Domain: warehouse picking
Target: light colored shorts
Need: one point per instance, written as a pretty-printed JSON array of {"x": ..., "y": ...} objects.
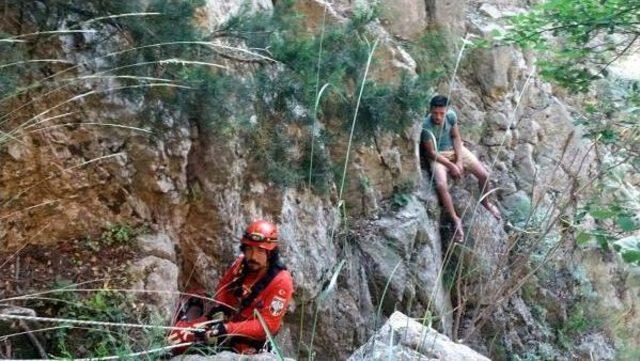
[{"x": 468, "y": 160}]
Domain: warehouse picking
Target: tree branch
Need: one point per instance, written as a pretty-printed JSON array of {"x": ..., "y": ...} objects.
[
  {"x": 620, "y": 54},
  {"x": 34, "y": 340}
]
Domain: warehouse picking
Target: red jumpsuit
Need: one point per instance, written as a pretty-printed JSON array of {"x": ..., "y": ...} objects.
[{"x": 271, "y": 303}]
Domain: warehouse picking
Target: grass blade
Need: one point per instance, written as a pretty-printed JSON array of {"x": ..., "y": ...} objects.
[
  {"x": 321, "y": 298},
  {"x": 269, "y": 336},
  {"x": 313, "y": 129},
  {"x": 51, "y": 32},
  {"x": 85, "y": 23},
  {"x": 92, "y": 123},
  {"x": 58, "y": 61},
  {"x": 355, "y": 116},
  {"x": 384, "y": 293},
  {"x": 332, "y": 283}
]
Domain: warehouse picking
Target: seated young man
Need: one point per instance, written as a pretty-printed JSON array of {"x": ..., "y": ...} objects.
[{"x": 441, "y": 141}]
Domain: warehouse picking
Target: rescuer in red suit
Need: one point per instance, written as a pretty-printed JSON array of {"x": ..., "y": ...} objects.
[{"x": 256, "y": 282}]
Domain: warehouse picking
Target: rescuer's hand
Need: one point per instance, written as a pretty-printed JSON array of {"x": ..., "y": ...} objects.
[{"x": 181, "y": 336}]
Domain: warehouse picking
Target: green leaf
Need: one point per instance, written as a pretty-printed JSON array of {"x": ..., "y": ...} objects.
[
  {"x": 577, "y": 24},
  {"x": 602, "y": 242},
  {"x": 629, "y": 249},
  {"x": 582, "y": 238},
  {"x": 496, "y": 33},
  {"x": 631, "y": 257},
  {"x": 332, "y": 283},
  {"x": 627, "y": 224},
  {"x": 601, "y": 213}
]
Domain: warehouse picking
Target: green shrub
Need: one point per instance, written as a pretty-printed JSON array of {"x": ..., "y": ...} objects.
[
  {"x": 400, "y": 200},
  {"x": 434, "y": 55},
  {"x": 72, "y": 341},
  {"x": 114, "y": 235},
  {"x": 120, "y": 233},
  {"x": 402, "y": 192},
  {"x": 580, "y": 320},
  {"x": 542, "y": 352},
  {"x": 290, "y": 94},
  {"x": 610, "y": 215},
  {"x": 224, "y": 102}
]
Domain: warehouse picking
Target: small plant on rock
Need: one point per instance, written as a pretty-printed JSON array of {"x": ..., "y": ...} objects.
[{"x": 119, "y": 234}]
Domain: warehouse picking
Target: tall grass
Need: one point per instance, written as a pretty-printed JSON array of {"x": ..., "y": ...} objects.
[
  {"x": 320, "y": 300},
  {"x": 383, "y": 295},
  {"x": 355, "y": 117},
  {"x": 318, "y": 92},
  {"x": 56, "y": 82},
  {"x": 270, "y": 338},
  {"x": 27, "y": 97}
]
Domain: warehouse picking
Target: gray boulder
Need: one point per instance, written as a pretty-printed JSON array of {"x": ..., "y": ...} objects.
[
  {"x": 159, "y": 278},
  {"x": 402, "y": 338},
  {"x": 158, "y": 245}
]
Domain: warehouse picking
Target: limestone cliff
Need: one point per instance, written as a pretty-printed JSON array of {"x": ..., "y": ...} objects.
[{"x": 189, "y": 189}]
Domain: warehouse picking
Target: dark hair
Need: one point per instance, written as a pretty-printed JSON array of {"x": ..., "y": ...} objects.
[
  {"x": 275, "y": 266},
  {"x": 439, "y": 101}
]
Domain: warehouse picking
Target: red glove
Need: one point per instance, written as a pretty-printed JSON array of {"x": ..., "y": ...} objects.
[{"x": 183, "y": 336}]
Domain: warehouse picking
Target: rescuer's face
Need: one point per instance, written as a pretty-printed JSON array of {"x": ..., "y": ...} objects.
[
  {"x": 256, "y": 258},
  {"x": 437, "y": 115}
]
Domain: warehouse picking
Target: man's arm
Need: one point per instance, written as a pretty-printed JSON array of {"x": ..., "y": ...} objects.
[
  {"x": 430, "y": 150},
  {"x": 457, "y": 146}
]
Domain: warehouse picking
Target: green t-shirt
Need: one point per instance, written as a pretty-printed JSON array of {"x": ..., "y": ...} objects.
[{"x": 442, "y": 134}]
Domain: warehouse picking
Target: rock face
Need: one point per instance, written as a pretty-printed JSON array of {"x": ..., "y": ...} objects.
[
  {"x": 156, "y": 274},
  {"x": 403, "y": 252},
  {"x": 216, "y": 13},
  {"x": 159, "y": 277},
  {"x": 158, "y": 245},
  {"x": 402, "y": 338},
  {"x": 198, "y": 188},
  {"x": 447, "y": 15},
  {"x": 404, "y": 18}
]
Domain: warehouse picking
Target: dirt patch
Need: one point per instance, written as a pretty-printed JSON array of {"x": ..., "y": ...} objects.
[
  {"x": 76, "y": 264},
  {"x": 37, "y": 268}
]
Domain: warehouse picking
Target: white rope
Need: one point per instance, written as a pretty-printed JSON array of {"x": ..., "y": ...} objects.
[
  {"x": 160, "y": 349},
  {"x": 96, "y": 323},
  {"x": 166, "y": 348}
]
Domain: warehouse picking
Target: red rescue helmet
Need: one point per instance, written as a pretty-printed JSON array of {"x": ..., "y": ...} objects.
[{"x": 261, "y": 234}]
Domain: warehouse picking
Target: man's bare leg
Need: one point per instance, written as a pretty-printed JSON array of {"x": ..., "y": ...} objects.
[
  {"x": 442, "y": 188},
  {"x": 478, "y": 170}
]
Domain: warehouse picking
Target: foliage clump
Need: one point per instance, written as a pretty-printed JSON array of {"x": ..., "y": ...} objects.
[
  {"x": 611, "y": 215},
  {"x": 590, "y": 36},
  {"x": 291, "y": 93},
  {"x": 72, "y": 341},
  {"x": 277, "y": 79}
]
